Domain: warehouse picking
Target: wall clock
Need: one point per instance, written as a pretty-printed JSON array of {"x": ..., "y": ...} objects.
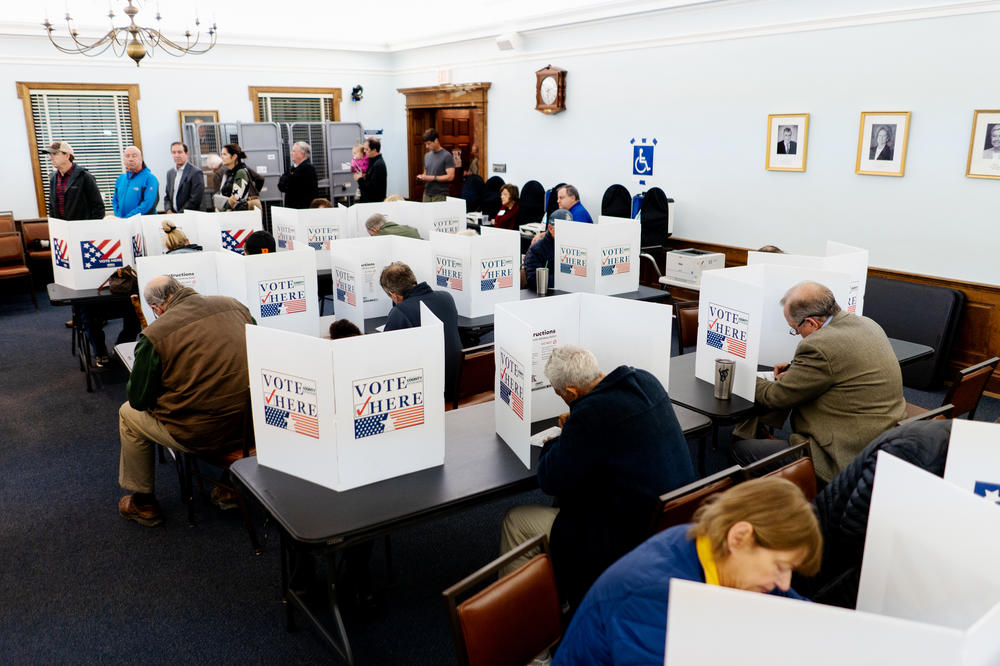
[{"x": 550, "y": 89}]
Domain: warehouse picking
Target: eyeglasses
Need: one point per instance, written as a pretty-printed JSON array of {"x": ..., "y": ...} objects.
[{"x": 795, "y": 329}]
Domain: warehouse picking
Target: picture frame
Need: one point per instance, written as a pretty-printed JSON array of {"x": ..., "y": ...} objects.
[
  {"x": 882, "y": 139},
  {"x": 787, "y": 141},
  {"x": 984, "y": 145},
  {"x": 195, "y": 117}
]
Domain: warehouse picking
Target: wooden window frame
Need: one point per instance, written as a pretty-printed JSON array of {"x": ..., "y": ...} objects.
[
  {"x": 256, "y": 91},
  {"x": 24, "y": 89}
]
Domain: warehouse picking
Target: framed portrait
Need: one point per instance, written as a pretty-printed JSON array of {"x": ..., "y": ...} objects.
[
  {"x": 787, "y": 138},
  {"x": 882, "y": 143},
  {"x": 196, "y": 117},
  {"x": 984, "y": 145}
]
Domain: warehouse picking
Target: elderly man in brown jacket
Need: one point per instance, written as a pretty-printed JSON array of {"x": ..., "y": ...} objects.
[
  {"x": 189, "y": 388},
  {"x": 843, "y": 387}
]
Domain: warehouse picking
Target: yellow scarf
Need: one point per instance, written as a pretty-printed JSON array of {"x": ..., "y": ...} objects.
[{"x": 704, "y": 547}]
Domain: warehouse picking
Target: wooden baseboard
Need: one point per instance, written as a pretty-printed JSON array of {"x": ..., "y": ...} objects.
[{"x": 978, "y": 335}]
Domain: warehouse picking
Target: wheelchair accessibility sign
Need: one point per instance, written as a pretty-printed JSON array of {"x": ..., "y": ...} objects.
[{"x": 642, "y": 158}]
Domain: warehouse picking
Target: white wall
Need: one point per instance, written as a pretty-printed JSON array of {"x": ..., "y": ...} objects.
[{"x": 701, "y": 80}]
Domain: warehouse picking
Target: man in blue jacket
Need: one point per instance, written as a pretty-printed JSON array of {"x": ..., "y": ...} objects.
[
  {"x": 569, "y": 199},
  {"x": 136, "y": 190},
  {"x": 621, "y": 447}
]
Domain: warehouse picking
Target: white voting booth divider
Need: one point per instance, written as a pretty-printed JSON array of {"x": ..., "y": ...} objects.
[
  {"x": 312, "y": 227},
  {"x": 974, "y": 458},
  {"x": 350, "y": 412},
  {"x": 618, "y": 331},
  {"x": 597, "y": 258},
  {"x": 478, "y": 271},
  {"x": 154, "y": 237},
  {"x": 929, "y": 592},
  {"x": 740, "y": 318},
  {"x": 839, "y": 258},
  {"x": 86, "y": 252},
  {"x": 443, "y": 216},
  {"x": 224, "y": 231},
  {"x": 357, "y": 265},
  {"x": 279, "y": 289}
]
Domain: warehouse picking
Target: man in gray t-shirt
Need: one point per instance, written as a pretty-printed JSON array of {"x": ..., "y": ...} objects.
[{"x": 439, "y": 168}]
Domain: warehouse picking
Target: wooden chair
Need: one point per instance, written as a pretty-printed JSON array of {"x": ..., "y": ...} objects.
[
  {"x": 36, "y": 230},
  {"x": 942, "y": 412},
  {"x": 13, "y": 265},
  {"x": 966, "y": 389},
  {"x": 6, "y": 224},
  {"x": 512, "y": 620},
  {"x": 794, "y": 464},
  {"x": 678, "y": 506},
  {"x": 476, "y": 371},
  {"x": 687, "y": 324}
]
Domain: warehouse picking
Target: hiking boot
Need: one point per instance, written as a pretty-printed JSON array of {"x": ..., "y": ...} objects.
[
  {"x": 102, "y": 361},
  {"x": 144, "y": 514}
]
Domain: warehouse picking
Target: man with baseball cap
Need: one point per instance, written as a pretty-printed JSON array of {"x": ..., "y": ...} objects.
[{"x": 73, "y": 193}]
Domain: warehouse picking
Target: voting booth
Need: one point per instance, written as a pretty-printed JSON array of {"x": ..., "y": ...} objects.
[
  {"x": 974, "y": 458},
  {"x": 223, "y": 231},
  {"x": 478, "y": 271},
  {"x": 86, "y": 252},
  {"x": 155, "y": 238},
  {"x": 928, "y": 595},
  {"x": 837, "y": 258},
  {"x": 618, "y": 331},
  {"x": 442, "y": 216},
  {"x": 597, "y": 258},
  {"x": 312, "y": 227},
  {"x": 279, "y": 289},
  {"x": 740, "y": 318},
  {"x": 357, "y": 265},
  {"x": 346, "y": 413}
]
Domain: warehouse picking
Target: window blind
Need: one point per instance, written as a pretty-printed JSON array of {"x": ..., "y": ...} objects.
[{"x": 295, "y": 107}]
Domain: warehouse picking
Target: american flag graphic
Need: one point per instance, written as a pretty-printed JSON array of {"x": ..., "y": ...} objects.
[
  {"x": 283, "y": 243},
  {"x": 61, "y": 252},
  {"x": 345, "y": 296},
  {"x": 105, "y": 253},
  {"x": 853, "y": 308},
  {"x": 621, "y": 267},
  {"x": 137, "y": 250},
  {"x": 449, "y": 282},
  {"x": 990, "y": 491},
  {"x": 233, "y": 239},
  {"x": 397, "y": 419},
  {"x": 731, "y": 345},
  {"x": 300, "y": 423},
  {"x": 284, "y": 307},
  {"x": 321, "y": 245},
  {"x": 497, "y": 283},
  {"x": 573, "y": 269},
  {"x": 512, "y": 399}
]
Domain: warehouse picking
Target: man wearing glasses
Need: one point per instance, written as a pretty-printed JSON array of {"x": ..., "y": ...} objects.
[{"x": 843, "y": 388}]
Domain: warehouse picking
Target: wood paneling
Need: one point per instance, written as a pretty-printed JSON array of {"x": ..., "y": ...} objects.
[{"x": 978, "y": 336}]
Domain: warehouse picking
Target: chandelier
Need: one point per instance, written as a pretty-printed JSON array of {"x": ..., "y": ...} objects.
[{"x": 133, "y": 40}]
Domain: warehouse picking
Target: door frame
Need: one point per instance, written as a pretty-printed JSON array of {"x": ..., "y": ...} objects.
[{"x": 453, "y": 95}]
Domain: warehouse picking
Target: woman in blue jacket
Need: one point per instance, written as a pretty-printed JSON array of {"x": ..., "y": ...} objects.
[{"x": 751, "y": 537}]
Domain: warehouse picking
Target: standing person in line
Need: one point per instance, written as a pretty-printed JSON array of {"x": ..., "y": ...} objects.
[
  {"x": 439, "y": 168},
  {"x": 236, "y": 185},
  {"x": 299, "y": 184},
  {"x": 373, "y": 181},
  {"x": 185, "y": 182},
  {"x": 136, "y": 190},
  {"x": 73, "y": 192}
]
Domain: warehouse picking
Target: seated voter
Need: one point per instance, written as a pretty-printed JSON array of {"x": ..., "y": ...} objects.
[
  {"x": 620, "y": 449},
  {"x": 542, "y": 251},
  {"x": 379, "y": 225},
  {"x": 400, "y": 284},
  {"x": 189, "y": 388},
  {"x": 751, "y": 537},
  {"x": 176, "y": 241},
  {"x": 843, "y": 386},
  {"x": 569, "y": 199},
  {"x": 259, "y": 242}
]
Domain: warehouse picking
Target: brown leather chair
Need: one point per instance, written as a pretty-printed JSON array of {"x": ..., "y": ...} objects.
[
  {"x": 687, "y": 324},
  {"x": 966, "y": 389},
  {"x": 794, "y": 463},
  {"x": 36, "y": 230},
  {"x": 13, "y": 265},
  {"x": 939, "y": 414},
  {"x": 6, "y": 224},
  {"x": 476, "y": 371},
  {"x": 678, "y": 506},
  {"x": 514, "y": 619}
]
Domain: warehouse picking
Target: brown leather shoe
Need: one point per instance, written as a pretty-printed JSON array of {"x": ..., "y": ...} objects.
[{"x": 146, "y": 514}]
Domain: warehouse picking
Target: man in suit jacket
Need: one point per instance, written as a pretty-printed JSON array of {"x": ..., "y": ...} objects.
[
  {"x": 299, "y": 184},
  {"x": 843, "y": 386},
  {"x": 185, "y": 184},
  {"x": 882, "y": 150},
  {"x": 786, "y": 146}
]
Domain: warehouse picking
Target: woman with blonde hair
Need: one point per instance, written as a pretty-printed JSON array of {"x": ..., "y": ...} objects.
[
  {"x": 750, "y": 537},
  {"x": 175, "y": 240}
]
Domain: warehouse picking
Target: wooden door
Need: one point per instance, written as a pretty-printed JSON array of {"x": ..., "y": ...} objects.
[
  {"x": 419, "y": 121},
  {"x": 456, "y": 128}
]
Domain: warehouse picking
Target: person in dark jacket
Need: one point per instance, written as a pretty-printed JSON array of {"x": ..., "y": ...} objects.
[
  {"x": 400, "y": 284},
  {"x": 373, "y": 182},
  {"x": 542, "y": 251},
  {"x": 842, "y": 506},
  {"x": 73, "y": 192},
  {"x": 507, "y": 215},
  {"x": 620, "y": 448},
  {"x": 299, "y": 183}
]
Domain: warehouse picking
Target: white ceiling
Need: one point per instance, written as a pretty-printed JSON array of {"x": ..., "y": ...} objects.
[{"x": 375, "y": 25}]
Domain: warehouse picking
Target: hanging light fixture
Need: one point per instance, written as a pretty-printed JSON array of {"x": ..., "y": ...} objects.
[{"x": 133, "y": 40}]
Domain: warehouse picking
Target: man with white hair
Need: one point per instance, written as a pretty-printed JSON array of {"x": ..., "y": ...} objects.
[
  {"x": 299, "y": 183},
  {"x": 378, "y": 224},
  {"x": 189, "y": 388},
  {"x": 136, "y": 190},
  {"x": 620, "y": 448}
]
